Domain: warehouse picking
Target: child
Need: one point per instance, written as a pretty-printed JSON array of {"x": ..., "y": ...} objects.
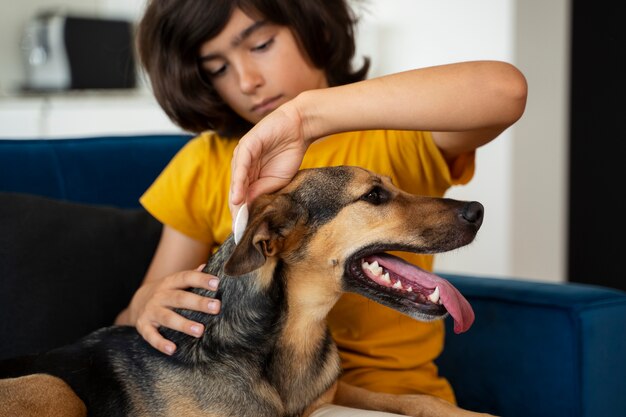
[{"x": 282, "y": 69}]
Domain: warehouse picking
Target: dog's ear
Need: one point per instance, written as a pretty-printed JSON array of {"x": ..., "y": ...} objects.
[{"x": 271, "y": 219}]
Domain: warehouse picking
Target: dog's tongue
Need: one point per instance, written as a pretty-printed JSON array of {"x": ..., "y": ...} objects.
[{"x": 458, "y": 307}]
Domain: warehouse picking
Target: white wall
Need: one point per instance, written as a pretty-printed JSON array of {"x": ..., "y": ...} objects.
[
  {"x": 540, "y": 151},
  {"x": 520, "y": 177}
]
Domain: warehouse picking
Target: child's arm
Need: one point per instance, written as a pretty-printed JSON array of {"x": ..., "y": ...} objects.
[
  {"x": 465, "y": 105},
  {"x": 170, "y": 273}
]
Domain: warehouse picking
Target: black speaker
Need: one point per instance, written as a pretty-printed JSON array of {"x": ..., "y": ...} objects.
[{"x": 64, "y": 52}]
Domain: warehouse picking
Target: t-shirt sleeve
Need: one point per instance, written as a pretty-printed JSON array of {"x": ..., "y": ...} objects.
[
  {"x": 459, "y": 172},
  {"x": 179, "y": 196},
  {"x": 424, "y": 161}
]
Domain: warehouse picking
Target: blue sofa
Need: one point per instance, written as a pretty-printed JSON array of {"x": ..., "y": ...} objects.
[{"x": 536, "y": 349}]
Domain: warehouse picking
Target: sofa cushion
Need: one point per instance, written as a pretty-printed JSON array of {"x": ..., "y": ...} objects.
[
  {"x": 66, "y": 268},
  {"x": 539, "y": 349}
]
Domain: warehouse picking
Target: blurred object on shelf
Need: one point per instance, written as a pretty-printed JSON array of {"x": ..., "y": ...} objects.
[{"x": 69, "y": 52}]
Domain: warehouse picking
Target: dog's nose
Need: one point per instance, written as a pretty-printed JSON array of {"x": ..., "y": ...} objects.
[{"x": 473, "y": 212}]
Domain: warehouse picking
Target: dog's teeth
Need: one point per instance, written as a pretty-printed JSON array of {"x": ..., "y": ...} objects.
[
  {"x": 409, "y": 289},
  {"x": 374, "y": 268},
  {"x": 386, "y": 278},
  {"x": 434, "y": 297},
  {"x": 397, "y": 285}
]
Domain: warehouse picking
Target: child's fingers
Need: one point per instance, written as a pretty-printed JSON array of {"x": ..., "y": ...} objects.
[
  {"x": 190, "y": 301},
  {"x": 194, "y": 279},
  {"x": 240, "y": 177},
  {"x": 267, "y": 185},
  {"x": 150, "y": 333},
  {"x": 239, "y": 174},
  {"x": 171, "y": 320}
]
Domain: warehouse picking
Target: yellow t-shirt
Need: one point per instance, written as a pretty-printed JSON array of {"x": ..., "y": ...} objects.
[{"x": 381, "y": 349}]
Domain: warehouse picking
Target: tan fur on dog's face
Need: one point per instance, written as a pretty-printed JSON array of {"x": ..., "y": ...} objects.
[
  {"x": 326, "y": 221},
  {"x": 379, "y": 212}
]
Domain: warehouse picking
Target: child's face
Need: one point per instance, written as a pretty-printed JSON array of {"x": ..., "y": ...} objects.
[{"x": 255, "y": 66}]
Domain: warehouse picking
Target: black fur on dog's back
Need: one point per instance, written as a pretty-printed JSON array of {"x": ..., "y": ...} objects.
[
  {"x": 116, "y": 373},
  {"x": 245, "y": 336},
  {"x": 85, "y": 366},
  {"x": 246, "y": 320}
]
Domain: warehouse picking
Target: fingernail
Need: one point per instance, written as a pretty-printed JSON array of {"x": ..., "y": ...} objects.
[
  {"x": 213, "y": 284},
  {"x": 214, "y": 306},
  {"x": 196, "y": 329},
  {"x": 170, "y": 349}
]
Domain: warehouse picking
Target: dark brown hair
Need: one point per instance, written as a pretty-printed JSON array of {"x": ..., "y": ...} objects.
[{"x": 171, "y": 33}]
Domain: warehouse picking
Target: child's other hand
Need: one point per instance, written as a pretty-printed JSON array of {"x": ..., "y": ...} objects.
[
  {"x": 152, "y": 306},
  {"x": 268, "y": 156}
]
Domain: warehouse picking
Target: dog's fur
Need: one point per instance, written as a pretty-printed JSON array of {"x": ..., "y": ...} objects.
[{"x": 268, "y": 352}]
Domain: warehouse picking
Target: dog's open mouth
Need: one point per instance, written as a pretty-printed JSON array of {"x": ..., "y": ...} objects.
[{"x": 432, "y": 295}]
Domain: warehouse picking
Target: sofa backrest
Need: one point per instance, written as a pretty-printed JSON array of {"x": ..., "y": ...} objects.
[
  {"x": 89, "y": 258},
  {"x": 539, "y": 349},
  {"x": 112, "y": 170}
]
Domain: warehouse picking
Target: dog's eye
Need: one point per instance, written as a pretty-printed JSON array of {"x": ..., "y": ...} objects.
[{"x": 376, "y": 196}]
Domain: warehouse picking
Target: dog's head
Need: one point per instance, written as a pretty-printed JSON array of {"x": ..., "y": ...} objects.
[{"x": 333, "y": 228}]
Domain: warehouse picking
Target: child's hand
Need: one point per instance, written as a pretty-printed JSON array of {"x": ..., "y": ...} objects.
[
  {"x": 268, "y": 156},
  {"x": 152, "y": 306}
]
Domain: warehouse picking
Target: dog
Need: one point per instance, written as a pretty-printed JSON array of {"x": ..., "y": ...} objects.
[{"x": 269, "y": 351}]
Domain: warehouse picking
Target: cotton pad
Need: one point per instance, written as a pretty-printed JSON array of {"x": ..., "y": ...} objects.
[{"x": 241, "y": 220}]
